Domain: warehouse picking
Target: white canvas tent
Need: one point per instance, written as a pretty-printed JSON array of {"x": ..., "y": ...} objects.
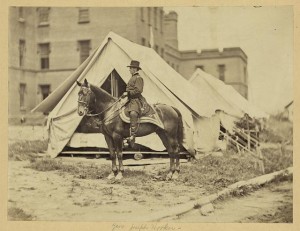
[
  {"x": 225, "y": 97},
  {"x": 162, "y": 85},
  {"x": 231, "y": 104}
]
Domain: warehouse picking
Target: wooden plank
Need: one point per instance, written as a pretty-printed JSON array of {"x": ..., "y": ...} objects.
[
  {"x": 149, "y": 161},
  {"x": 106, "y": 152}
]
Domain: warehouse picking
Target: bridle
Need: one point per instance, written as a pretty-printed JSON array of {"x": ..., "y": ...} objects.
[
  {"x": 86, "y": 104},
  {"x": 86, "y": 93}
]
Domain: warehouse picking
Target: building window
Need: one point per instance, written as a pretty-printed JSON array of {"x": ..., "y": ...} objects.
[
  {"x": 156, "y": 48},
  {"x": 143, "y": 42},
  {"x": 44, "y": 55},
  {"x": 22, "y": 92},
  {"x": 21, "y": 52},
  {"x": 142, "y": 14},
  {"x": 162, "y": 51},
  {"x": 84, "y": 48},
  {"x": 45, "y": 91},
  {"x": 43, "y": 16},
  {"x": 172, "y": 65},
  {"x": 84, "y": 16},
  {"x": 155, "y": 17},
  {"x": 161, "y": 20},
  {"x": 200, "y": 67},
  {"x": 149, "y": 16},
  {"x": 221, "y": 70},
  {"x": 245, "y": 75},
  {"x": 21, "y": 14}
]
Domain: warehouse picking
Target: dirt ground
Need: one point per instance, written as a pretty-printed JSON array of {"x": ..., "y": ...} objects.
[
  {"x": 58, "y": 196},
  {"x": 49, "y": 196},
  {"x": 271, "y": 204},
  {"x": 64, "y": 198}
]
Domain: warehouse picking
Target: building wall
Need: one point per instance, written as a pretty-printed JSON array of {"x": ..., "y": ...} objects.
[
  {"x": 170, "y": 24},
  {"x": 234, "y": 59},
  {"x": 21, "y": 29},
  {"x": 64, "y": 42},
  {"x": 18, "y": 77},
  {"x": 172, "y": 57},
  {"x": 154, "y": 25},
  {"x": 63, "y": 33}
]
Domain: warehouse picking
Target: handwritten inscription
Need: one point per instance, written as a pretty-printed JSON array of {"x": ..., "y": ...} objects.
[
  {"x": 116, "y": 227},
  {"x": 145, "y": 227}
]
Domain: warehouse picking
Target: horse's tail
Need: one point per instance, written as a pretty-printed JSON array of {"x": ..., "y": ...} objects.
[{"x": 180, "y": 128}]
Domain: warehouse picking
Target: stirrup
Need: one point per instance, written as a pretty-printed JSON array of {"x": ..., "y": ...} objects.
[
  {"x": 131, "y": 141},
  {"x": 125, "y": 143}
]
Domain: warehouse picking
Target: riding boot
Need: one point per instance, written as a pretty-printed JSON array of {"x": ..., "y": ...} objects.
[{"x": 133, "y": 127}]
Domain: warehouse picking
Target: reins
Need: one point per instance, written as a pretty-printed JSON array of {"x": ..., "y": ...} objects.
[
  {"x": 109, "y": 117},
  {"x": 96, "y": 114}
]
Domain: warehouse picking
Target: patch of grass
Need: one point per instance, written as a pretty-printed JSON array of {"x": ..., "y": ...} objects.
[
  {"x": 136, "y": 178},
  {"x": 283, "y": 214},
  {"x": 282, "y": 177},
  {"x": 277, "y": 159},
  {"x": 17, "y": 214},
  {"x": 79, "y": 170},
  {"x": 244, "y": 190},
  {"x": 28, "y": 120},
  {"x": 26, "y": 150},
  {"x": 46, "y": 164},
  {"x": 277, "y": 131},
  {"x": 215, "y": 173}
]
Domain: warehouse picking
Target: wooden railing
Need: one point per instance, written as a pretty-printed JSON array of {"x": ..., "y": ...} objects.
[{"x": 244, "y": 142}]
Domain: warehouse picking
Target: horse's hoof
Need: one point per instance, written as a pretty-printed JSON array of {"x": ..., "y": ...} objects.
[
  {"x": 169, "y": 176},
  {"x": 175, "y": 175},
  {"x": 111, "y": 176},
  {"x": 125, "y": 145},
  {"x": 119, "y": 176}
]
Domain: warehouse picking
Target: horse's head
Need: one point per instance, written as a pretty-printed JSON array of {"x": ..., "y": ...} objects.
[{"x": 85, "y": 98}]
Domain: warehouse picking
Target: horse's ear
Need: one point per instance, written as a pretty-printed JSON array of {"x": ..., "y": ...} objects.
[{"x": 79, "y": 84}]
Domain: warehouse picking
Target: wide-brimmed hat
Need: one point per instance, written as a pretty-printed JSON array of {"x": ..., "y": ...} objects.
[{"x": 135, "y": 64}]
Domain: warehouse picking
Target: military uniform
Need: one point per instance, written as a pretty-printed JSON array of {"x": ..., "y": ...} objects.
[
  {"x": 134, "y": 91},
  {"x": 135, "y": 88}
]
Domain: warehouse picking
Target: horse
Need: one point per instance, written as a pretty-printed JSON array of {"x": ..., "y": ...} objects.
[{"x": 94, "y": 101}]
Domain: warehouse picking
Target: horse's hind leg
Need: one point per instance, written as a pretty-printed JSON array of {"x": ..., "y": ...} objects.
[
  {"x": 177, "y": 164},
  {"x": 169, "y": 143}
]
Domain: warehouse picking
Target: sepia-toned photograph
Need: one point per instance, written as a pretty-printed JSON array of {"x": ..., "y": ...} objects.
[{"x": 154, "y": 115}]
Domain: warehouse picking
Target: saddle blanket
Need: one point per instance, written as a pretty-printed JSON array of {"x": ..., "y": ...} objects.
[{"x": 152, "y": 118}]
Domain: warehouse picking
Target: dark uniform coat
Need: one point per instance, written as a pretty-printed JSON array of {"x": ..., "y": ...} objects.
[{"x": 135, "y": 88}]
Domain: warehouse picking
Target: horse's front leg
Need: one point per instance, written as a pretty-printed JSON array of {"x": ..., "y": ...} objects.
[
  {"x": 113, "y": 157},
  {"x": 118, "y": 144}
]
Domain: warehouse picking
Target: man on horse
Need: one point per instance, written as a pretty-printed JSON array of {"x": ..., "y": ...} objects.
[{"x": 136, "y": 102}]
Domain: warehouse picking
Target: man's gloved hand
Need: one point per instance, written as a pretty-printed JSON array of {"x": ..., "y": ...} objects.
[{"x": 125, "y": 94}]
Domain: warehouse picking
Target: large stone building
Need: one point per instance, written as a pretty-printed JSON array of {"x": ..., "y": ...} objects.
[{"x": 46, "y": 44}]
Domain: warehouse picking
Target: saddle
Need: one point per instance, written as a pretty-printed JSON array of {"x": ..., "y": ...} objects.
[{"x": 149, "y": 115}]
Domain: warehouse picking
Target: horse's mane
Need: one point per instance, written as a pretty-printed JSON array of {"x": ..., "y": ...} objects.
[{"x": 102, "y": 92}]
